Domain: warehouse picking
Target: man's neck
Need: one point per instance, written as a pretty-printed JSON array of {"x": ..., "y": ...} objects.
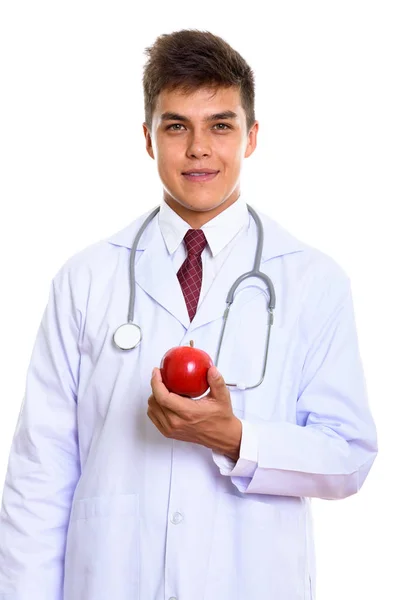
[{"x": 197, "y": 218}]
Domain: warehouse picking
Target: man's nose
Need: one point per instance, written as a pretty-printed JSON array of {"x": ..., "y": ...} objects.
[{"x": 199, "y": 146}]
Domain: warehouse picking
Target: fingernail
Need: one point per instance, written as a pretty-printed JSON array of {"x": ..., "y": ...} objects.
[{"x": 154, "y": 372}]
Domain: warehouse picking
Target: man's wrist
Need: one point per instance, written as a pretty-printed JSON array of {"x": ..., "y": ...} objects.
[{"x": 230, "y": 444}]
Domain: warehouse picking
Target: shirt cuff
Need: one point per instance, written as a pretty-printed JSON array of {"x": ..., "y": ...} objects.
[{"x": 248, "y": 454}]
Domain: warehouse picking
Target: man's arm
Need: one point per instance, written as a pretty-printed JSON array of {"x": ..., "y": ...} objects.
[
  {"x": 43, "y": 467},
  {"x": 330, "y": 450}
]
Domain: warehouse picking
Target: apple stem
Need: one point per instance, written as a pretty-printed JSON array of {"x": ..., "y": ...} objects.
[{"x": 191, "y": 343}]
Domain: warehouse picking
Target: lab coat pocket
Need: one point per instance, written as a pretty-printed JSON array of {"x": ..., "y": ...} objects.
[
  {"x": 103, "y": 549},
  {"x": 258, "y": 540}
]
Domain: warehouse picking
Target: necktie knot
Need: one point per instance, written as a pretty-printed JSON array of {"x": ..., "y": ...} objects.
[{"x": 195, "y": 241}]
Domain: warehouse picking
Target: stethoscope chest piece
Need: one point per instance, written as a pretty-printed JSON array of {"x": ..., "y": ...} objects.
[{"x": 127, "y": 336}]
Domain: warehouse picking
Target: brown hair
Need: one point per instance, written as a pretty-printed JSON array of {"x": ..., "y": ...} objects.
[{"x": 189, "y": 59}]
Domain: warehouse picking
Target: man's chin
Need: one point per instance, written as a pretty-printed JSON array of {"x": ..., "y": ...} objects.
[{"x": 195, "y": 204}]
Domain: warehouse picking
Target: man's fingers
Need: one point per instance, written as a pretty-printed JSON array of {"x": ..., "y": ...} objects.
[
  {"x": 157, "y": 384},
  {"x": 155, "y": 421},
  {"x": 173, "y": 402}
]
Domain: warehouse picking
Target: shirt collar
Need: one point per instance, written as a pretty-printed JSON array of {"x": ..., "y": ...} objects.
[
  {"x": 277, "y": 240},
  {"x": 219, "y": 231}
]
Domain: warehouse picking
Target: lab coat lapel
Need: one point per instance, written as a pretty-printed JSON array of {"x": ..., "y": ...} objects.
[
  {"x": 240, "y": 260},
  {"x": 156, "y": 276}
]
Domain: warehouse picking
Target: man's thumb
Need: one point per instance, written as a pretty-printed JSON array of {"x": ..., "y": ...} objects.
[{"x": 215, "y": 379}]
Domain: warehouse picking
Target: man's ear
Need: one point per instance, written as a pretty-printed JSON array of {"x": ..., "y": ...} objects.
[
  {"x": 147, "y": 135},
  {"x": 252, "y": 140}
]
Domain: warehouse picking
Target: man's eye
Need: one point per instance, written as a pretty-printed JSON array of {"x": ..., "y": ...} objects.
[
  {"x": 175, "y": 126},
  {"x": 221, "y": 126}
]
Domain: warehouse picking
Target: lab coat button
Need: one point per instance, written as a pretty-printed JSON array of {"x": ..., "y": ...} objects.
[{"x": 176, "y": 518}]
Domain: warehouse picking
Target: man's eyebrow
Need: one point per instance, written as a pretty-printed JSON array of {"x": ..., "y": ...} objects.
[
  {"x": 226, "y": 114},
  {"x": 171, "y": 116}
]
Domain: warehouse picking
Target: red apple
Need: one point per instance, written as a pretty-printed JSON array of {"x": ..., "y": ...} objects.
[{"x": 184, "y": 370}]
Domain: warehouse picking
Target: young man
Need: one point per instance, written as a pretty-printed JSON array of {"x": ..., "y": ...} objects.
[{"x": 117, "y": 488}]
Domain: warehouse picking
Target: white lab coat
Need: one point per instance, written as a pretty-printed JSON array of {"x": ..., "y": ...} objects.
[{"x": 97, "y": 504}]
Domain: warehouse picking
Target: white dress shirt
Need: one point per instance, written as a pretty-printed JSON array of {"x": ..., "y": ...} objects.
[{"x": 222, "y": 233}]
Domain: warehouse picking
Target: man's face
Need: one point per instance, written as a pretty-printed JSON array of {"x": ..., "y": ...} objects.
[{"x": 199, "y": 141}]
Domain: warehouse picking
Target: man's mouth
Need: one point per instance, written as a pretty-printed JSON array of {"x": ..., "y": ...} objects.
[{"x": 200, "y": 176}]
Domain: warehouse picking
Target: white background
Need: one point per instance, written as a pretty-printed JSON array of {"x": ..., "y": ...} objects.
[{"x": 74, "y": 170}]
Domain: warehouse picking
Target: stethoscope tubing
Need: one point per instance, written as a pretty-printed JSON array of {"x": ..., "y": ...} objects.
[{"x": 255, "y": 272}]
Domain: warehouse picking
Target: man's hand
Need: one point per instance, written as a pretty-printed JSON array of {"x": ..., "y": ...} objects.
[{"x": 209, "y": 421}]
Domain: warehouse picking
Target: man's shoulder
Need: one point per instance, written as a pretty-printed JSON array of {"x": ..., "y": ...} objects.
[
  {"x": 279, "y": 242},
  {"x": 126, "y": 236},
  {"x": 100, "y": 256}
]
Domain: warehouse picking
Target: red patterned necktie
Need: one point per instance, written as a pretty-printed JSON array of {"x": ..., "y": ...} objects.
[{"x": 191, "y": 272}]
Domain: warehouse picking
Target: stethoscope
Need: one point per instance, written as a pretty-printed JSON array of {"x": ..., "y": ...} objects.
[{"x": 128, "y": 335}]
